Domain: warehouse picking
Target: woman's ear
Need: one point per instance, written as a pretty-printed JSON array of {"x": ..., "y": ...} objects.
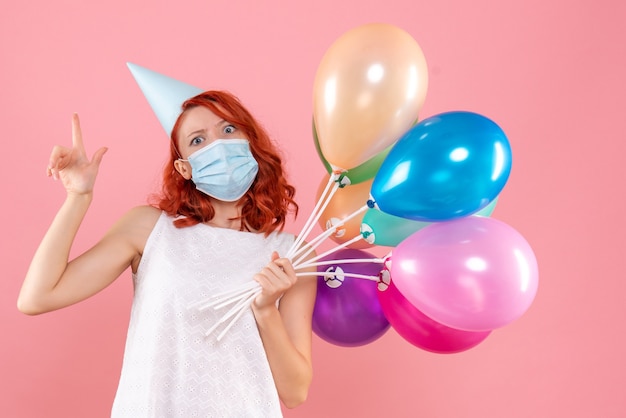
[{"x": 183, "y": 168}]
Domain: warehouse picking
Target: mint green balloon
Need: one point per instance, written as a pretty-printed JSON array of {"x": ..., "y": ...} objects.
[
  {"x": 487, "y": 210},
  {"x": 358, "y": 174},
  {"x": 389, "y": 230}
]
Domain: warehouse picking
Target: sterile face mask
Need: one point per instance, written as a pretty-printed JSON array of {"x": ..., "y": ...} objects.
[{"x": 224, "y": 169}]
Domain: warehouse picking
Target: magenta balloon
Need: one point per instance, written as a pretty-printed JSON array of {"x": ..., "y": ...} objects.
[
  {"x": 420, "y": 330},
  {"x": 472, "y": 273},
  {"x": 349, "y": 315}
]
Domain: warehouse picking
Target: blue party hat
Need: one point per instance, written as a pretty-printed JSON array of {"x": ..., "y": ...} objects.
[{"x": 164, "y": 94}]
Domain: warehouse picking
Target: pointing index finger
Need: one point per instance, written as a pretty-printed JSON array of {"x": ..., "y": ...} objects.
[{"x": 77, "y": 136}]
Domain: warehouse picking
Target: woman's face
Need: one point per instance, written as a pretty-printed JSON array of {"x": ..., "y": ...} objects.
[{"x": 199, "y": 127}]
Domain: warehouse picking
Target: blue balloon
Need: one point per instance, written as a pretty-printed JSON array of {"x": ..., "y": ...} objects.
[{"x": 445, "y": 167}]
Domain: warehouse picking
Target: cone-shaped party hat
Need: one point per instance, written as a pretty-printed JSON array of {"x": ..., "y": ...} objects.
[{"x": 164, "y": 94}]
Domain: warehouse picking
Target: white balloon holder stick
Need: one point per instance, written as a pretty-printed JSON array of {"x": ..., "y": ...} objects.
[{"x": 242, "y": 296}]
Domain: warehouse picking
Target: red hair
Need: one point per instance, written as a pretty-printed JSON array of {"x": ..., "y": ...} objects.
[{"x": 264, "y": 207}]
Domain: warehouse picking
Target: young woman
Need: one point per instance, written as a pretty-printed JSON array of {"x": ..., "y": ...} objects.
[{"x": 218, "y": 224}]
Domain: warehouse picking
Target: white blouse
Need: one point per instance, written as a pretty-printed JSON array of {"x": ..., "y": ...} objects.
[{"x": 171, "y": 368}]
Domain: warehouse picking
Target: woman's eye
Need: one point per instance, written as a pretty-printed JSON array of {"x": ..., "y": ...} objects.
[
  {"x": 229, "y": 129},
  {"x": 197, "y": 140}
]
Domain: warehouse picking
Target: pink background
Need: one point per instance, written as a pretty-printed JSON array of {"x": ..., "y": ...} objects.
[{"x": 550, "y": 73}]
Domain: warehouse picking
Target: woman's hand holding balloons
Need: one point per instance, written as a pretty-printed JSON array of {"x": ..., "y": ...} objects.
[
  {"x": 275, "y": 279},
  {"x": 72, "y": 166}
]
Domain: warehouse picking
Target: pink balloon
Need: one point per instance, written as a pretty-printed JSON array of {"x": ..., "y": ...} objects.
[
  {"x": 420, "y": 330},
  {"x": 472, "y": 273}
]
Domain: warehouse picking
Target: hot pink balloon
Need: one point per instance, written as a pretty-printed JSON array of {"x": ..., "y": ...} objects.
[
  {"x": 472, "y": 273},
  {"x": 420, "y": 330}
]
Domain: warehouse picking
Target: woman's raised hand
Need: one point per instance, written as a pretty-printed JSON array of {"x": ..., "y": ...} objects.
[{"x": 72, "y": 166}]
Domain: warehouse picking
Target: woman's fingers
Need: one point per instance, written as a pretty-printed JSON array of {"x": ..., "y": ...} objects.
[
  {"x": 72, "y": 165},
  {"x": 97, "y": 156},
  {"x": 59, "y": 159},
  {"x": 275, "y": 278},
  {"x": 285, "y": 265},
  {"x": 77, "y": 135},
  {"x": 278, "y": 275},
  {"x": 61, "y": 156},
  {"x": 79, "y": 146}
]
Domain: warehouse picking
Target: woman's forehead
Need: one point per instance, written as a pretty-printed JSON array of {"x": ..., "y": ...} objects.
[{"x": 199, "y": 114}]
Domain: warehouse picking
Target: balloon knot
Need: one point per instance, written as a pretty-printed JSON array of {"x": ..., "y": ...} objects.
[
  {"x": 384, "y": 280},
  {"x": 342, "y": 180},
  {"x": 371, "y": 204}
]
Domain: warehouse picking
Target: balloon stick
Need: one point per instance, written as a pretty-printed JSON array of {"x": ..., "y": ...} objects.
[
  {"x": 315, "y": 242},
  {"x": 245, "y": 307},
  {"x": 332, "y": 250},
  {"x": 319, "y": 208},
  {"x": 343, "y": 261},
  {"x": 330, "y": 274}
]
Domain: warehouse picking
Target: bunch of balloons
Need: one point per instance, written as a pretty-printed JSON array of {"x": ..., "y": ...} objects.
[{"x": 426, "y": 188}]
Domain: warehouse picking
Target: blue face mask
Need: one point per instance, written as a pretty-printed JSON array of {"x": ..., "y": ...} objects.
[{"x": 224, "y": 169}]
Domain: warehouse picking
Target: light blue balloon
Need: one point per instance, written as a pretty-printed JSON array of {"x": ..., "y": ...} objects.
[
  {"x": 445, "y": 167},
  {"x": 388, "y": 230}
]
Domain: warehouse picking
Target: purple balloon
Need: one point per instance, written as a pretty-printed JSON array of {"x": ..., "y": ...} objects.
[
  {"x": 420, "y": 330},
  {"x": 347, "y": 311},
  {"x": 472, "y": 274}
]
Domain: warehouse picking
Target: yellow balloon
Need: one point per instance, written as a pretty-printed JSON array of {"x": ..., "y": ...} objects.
[{"x": 368, "y": 90}]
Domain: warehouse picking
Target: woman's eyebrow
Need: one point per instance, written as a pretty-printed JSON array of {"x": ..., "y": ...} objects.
[
  {"x": 202, "y": 130},
  {"x": 196, "y": 132}
]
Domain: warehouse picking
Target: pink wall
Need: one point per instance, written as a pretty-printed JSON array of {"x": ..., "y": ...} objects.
[{"x": 549, "y": 73}]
